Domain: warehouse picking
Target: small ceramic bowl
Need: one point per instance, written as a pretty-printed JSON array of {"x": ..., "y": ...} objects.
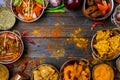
[
  {"x": 94, "y": 41},
  {"x": 85, "y": 6},
  {"x": 46, "y": 71},
  {"x": 28, "y": 11},
  {"x": 76, "y": 68}
]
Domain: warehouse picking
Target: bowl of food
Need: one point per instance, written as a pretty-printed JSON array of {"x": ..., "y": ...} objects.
[
  {"x": 115, "y": 18},
  {"x": 102, "y": 72},
  {"x": 105, "y": 44},
  {"x": 4, "y": 72},
  {"x": 28, "y": 10},
  {"x": 118, "y": 64},
  {"x": 45, "y": 72},
  {"x": 75, "y": 70},
  {"x": 7, "y": 19},
  {"x": 11, "y": 47},
  {"x": 97, "y": 9}
]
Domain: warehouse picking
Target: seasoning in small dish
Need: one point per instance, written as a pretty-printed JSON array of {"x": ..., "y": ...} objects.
[
  {"x": 103, "y": 72},
  {"x": 4, "y": 73},
  {"x": 7, "y": 19}
]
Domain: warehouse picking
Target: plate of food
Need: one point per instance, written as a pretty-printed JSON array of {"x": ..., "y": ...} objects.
[
  {"x": 45, "y": 72},
  {"x": 105, "y": 44},
  {"x": 97, "y": 9},
  {"x": 11, "y": 47},
  {"x": 74, "y": 69},
  {"x": 28, "y": 10}
]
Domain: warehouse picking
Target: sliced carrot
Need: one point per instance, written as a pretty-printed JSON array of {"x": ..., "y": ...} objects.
[
  {"x": 14, "y": 56},
  {"x": 24, "y": 4},
  {"x": 39, "y": 5},
  {"x": 104, "y": 2},
  {"x": 28, "y": 18},
  {"x": 37, "y": 9},
  {"x": 102, "y": 7}
]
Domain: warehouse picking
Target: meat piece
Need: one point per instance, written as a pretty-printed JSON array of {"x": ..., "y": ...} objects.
[{"x": 90, "y": 9}]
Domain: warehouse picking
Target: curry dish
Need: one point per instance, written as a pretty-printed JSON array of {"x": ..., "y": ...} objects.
[
  {"x": 107, "y": 44},
  {"x": 103, "y": 72},
  {"x": 10, "y": 46},
  {"x": 76, "y": 71}
]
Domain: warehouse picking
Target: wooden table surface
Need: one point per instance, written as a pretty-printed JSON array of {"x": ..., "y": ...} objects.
[{"x": 54, "y": 36}]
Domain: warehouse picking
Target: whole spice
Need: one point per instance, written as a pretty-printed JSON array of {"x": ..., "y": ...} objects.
[
  {"x": 97, "y": 23},
  {"x": 24, "y": 33},
  {"x": 30, "y": 40}
]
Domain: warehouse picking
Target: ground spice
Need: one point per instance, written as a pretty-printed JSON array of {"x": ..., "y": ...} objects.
[
  {"x": 35, "y": 32},
  {"x": 56, "y": 32}
]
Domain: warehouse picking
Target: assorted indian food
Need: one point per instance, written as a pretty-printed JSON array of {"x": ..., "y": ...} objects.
[
  {"x": 7, "y": 19},
  {"x": 4, "y": 73},
  {"x": 106, "y": 44},
  {"x": 103, "y": 72},
  {"x": 75, "y": 70},
  {"x": 11, "y": 47},
  {"x": 28, "y": 10},
  {"x": 45, "y": 72},
  {"x": 97, "y": 8}
]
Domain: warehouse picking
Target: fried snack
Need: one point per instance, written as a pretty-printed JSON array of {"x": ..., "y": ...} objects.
[
  {"x": 107, "y": 44},
  {"x": 45, "y": 72},
  {"x": 103, "y": 72},
  {"x": 76, "y": 71},
  {"x": 90, "y": 10}
]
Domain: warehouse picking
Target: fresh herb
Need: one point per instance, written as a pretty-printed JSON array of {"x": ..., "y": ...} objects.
[
  {"x": 17, "y": 2},
  {"x": 39, "y": 1}
]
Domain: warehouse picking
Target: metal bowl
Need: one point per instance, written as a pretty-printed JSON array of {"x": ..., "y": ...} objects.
[
  {"x": 101, "y": 18},
  {"x": 118, "y": 64},
  {"x": 71, "y": 62},
  {"x": 4, "y": 72},
  {"x": 41, "y": 13},
  {"x": 21, "y": 48},
  {"x": 99, "y": 72},
  {"x": 95, "y": 53},
  {"x": 48, "y": 65},
  {"x": 113, "y": 17}
]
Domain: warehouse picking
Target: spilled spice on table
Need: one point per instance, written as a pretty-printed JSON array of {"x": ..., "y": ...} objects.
[
  {"x": 80, "y": 42},
  {"x": 35, "y": 32}
]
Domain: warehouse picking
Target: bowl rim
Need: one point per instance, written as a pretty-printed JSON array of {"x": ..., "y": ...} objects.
[
  {"x": 94, "y": 52},
  {"x": 30, "y": 20},
  {"x": 22, "y": 48},
  {"x": 99, "y": 65},
  {"x": 98, "y": 19},
  {"x": 118, "y": 60},
  {"x": 46, "y": 64},
  {"x": 74, "y": 60}
]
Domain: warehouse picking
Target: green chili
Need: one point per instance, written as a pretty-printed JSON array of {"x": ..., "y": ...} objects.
[
  {"x": 57, "y": 7},
  {"x": 39, "y": 1},
  {"x": 59, "y": 10},
  {"x": 17, "y": 2}
]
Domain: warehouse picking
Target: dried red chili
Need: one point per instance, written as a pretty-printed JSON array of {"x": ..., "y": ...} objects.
[
  {"x": 30, "y": 40},
  {"x": 97, "y": 23},
  {"x": 24, "y": 33}
]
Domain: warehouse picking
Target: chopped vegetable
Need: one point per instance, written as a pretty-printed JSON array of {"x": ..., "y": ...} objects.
[
  {"x": 17, "y": 2},
  {"x": 39, "y": 1},
  {"x": 55, "y": 2},
  {"x": 56, "y": 7},
  {"x": 90, "y": 2}
]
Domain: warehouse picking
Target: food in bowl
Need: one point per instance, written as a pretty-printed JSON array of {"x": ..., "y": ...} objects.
[
  {"x": 45, "y": 72},
  {"x": 11, "y": 47},
  {"x": 7, "y": 19},
  {"x": 4, "y": 73},
  {"x": 97, "y": 9},
  {"x": 28, "y": 10},
  {"x": 103, "y": 72},
  {"x": 106, "y": 44},
  {"x": 75, "y": 70}
]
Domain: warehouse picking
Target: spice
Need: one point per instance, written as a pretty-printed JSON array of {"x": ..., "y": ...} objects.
[
  {"x": 35, "y": 31},
  {"x": 97, "y": 23},
  {"x": 30, "y": 40},
  {"x": 24, "y": 33}
]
